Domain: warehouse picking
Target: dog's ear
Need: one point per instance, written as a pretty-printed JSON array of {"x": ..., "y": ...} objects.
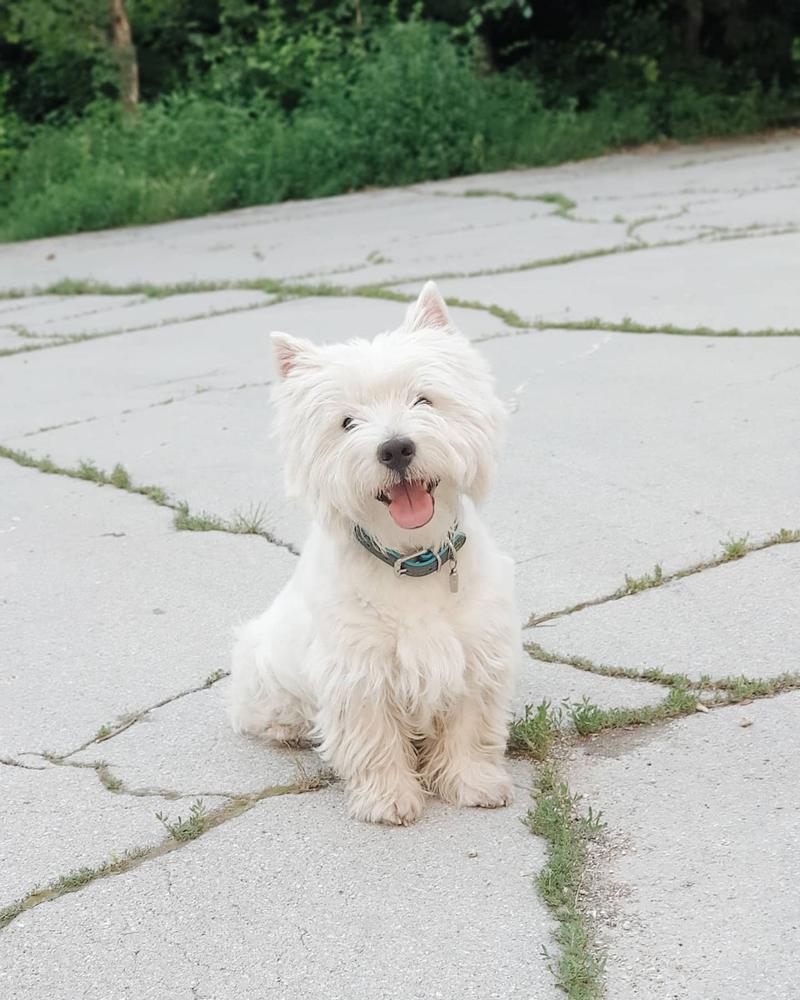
[
  {"x": 429, "y": 312},
  {"x": 288, "y": 351}
]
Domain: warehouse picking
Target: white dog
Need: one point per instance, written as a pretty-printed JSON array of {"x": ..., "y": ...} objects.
[{"x": 395, "y": 642}]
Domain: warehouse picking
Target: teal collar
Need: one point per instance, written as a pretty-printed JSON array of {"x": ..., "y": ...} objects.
[{"x": 421, "y": 563}]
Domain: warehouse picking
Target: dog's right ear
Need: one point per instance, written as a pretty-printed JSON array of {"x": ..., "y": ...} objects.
[{"x": 288, "y": 351}]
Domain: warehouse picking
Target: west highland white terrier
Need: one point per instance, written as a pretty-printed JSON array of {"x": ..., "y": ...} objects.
[{"x": 395, "y": 642}]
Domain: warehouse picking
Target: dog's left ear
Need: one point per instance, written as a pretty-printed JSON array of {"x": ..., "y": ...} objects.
[{"x": 429, "y": 312}]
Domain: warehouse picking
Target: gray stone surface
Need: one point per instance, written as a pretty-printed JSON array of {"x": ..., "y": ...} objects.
[
  {"x": 293, "y": 900},
  {"x": 624, "y": 451},
  {"x": 106, "y": 609},
  {"x": 738, "y": 618},
  {"x": 119, "y": 313},
  {"x": 744, "y": 284},
  {"x": 134, "y": 370},
  {"x": 604, "y": 471},
  {"x": 698, "y": 873},
  {"x": 58, "y": 819},
  {"x": 564, "y": 686},
  {"x": 187, "y": 746}
]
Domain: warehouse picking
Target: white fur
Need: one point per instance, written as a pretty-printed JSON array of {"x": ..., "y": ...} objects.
[{"x": 406, "y": 684}]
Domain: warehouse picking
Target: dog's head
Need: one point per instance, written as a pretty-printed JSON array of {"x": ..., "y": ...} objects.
[{"x": 389, "y": 433}]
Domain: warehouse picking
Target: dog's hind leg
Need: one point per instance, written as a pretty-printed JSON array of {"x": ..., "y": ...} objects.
[{"x": 258, "y": 703}]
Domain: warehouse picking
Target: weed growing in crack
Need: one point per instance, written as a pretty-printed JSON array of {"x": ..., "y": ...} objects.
[
  {"x": 633, "y": 584},
  {"x": 89, "y": 471},
  {"x": 71, "y": 882},
  {"x": 189, "y": 828},
  {"x": 103, "y": 732},
  {"x": 785, "y": 535},
  {"x": 557, "y": 818},
  {"x": 535, "y": 733},
  {"x": 734, "y": 548},
  {"x": 120, "y": 478},
  {"x": 108, "y": 780},
  {"x": 250, "y": 522},
  {"x": 154, "y": 493},
  {"x": 588, "y": 718},
  {"x": 186, "y": 521},
  {"x": 563, "y": 204},
  {"x": 217, "y": 675}
]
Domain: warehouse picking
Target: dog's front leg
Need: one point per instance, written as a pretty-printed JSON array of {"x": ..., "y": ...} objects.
[
  {"x": 367, "y": 745},
  {"x": 463, "y": 761}
]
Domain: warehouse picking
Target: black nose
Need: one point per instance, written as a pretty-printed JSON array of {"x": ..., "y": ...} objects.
[{"x": 396, "y": 453}]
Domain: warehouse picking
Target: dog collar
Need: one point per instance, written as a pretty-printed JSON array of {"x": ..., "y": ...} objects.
[{"x": 421, "y": 563}]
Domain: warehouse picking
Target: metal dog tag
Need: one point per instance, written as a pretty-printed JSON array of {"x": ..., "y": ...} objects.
[{"x": 453, "y": 581}]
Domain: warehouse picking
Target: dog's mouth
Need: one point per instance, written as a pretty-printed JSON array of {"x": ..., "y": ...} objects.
[{"x": 410, "y": 502}]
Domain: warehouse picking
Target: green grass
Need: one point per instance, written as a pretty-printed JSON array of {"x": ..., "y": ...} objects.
[
  {"x": 535, "y": 733},
  {"x": 558, "y": 818},
  {"x": 734, "y": 548},
  {"x": 189, "y": 828},
  {"x": 589, "y": 718},
  {"x": 633, "y": 584}
]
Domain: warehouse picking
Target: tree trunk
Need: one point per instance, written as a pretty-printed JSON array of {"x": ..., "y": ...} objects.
[{"x": 125, "y": 55}]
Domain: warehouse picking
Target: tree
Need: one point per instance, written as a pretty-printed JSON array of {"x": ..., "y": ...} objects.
[{"x": 94, "y": 35}]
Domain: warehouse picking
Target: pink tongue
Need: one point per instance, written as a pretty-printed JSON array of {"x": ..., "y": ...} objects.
[{"x": 410, "y": 505}]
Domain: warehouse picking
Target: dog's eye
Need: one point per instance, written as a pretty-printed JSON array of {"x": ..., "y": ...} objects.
[
  {"x": 347, "y": 423},
  {"x": 422, "y": 399}
]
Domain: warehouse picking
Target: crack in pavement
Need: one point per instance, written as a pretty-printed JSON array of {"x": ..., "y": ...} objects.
[
  {"x": 133, "y": 858},
  {"x": 65, "y": 340},
  {"x": 184, "y": 520},
  {"x": 198, "y": 391},
  {"x": 636, "y": 585}
]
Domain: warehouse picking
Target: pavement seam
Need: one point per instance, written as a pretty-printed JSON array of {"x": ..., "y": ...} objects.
[
  {"x": 728, "y": 690},
  {"x": 199, "y": 391},
  {"x": 734, "y": 549},
  {"x": 133, "y": 858},
  {"x": 240, "y": 523},
  {"x": 284, "y": 292},
  {"x": 109, "y": 731},
  {"x": 65, "y": 340}
]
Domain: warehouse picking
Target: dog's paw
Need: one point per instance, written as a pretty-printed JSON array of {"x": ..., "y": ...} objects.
[
  {"x": 401, "y": 808},
  {"x": 486, "y": 788}
]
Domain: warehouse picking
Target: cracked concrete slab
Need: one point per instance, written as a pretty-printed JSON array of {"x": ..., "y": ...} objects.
[
  {"x": 614, "y": 455},
  {"x": 695, "y": 895},
  {"x": 188, "y": 746},
  {"x": 563, "y": 685},
  {"x": 58, "y": 819},
  {"x": 107, "y": 609},
  {"x": 624, "y": 451},
  {"x": 747, "y": 284},
  {"x": 37, "y": 313},
  {"x": 737, "y": 618},
  {"x": 703, "y": 170},
  {"x": 604, "y": 472},
  {"x": 109, "y": 375},
  {"x": 120, "y": 313},
  {"x": 311, "y": 905},
  {"x": 362, "y": 232}
]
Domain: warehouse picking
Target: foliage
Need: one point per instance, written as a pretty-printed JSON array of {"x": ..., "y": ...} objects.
[{"x": 250, "y": 101}]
